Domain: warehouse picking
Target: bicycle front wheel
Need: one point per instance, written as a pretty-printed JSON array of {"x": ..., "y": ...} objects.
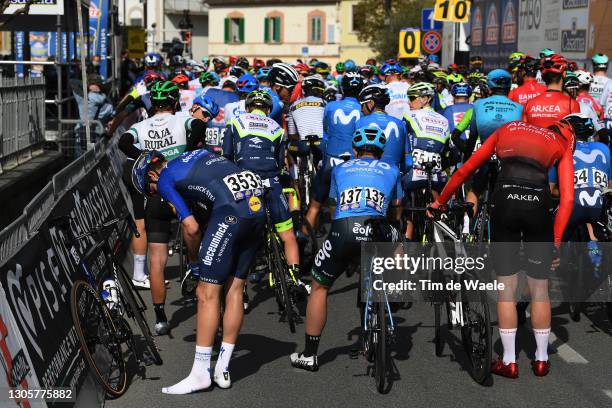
[
  {"x": 281, "y": 286},
  {"x": 382, "y": 349},
  {"x": 476, "y": 335}
]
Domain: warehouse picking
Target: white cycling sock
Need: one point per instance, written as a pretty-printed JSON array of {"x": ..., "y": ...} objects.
[
  {"x": 140, "y": 262},
  {"x": 541, "y": 338},
  {"x": 225, "y": 354},
  {"x": 199, "y": 378},
  {"x": 508, "y": 338}
]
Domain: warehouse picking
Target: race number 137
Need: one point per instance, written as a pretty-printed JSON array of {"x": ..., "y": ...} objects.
[
  {"x": 457, "y": 11},
  {"x": 409, "y": 44}
]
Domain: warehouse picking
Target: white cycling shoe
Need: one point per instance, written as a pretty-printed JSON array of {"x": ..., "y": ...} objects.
[
  {"x": 146, "y": 283},
  {"x": 162, "y": 328},
  {"x": 223, "y": 379}
]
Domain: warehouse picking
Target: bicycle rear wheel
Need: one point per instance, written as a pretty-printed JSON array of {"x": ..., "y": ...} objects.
[
  {"x": 281, "y": 287},
  {"x": 368, "y": 336},
  {"x": 476, "y": 334},
  {"x": 382, "y": 349},
  {"x": 99, "y": 340}
]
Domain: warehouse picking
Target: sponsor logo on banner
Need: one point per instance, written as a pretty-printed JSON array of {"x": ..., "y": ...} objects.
[
  {"x": 492, "y": 29},
  {"x": 573, "y": 41},
  {"x": 477, "y": 27},
  {"x": 574, "y": 4},
  {"x": 509, "y": 24}
]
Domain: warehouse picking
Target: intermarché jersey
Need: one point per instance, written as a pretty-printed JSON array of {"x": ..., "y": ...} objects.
[
  {"x": 254, "y": 141},
  {"x": 364, "y": 187},
  {"x": 339, "y": 122},
  {"x": 305, "y": 117},
  {"x": 164, "y": 132},
  {"x": 551, "y": 106},
  {"x": 428, "y": 132}
]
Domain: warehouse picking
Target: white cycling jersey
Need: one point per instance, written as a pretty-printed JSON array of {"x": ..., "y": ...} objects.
[
  {"x": 597, "y": 86},
  {"x": 305, "y": 117},
  {"x": 587, "y": 109},
  {"x": 398, "y": 93},
  {"x": 233, "y": 110},
  {"x": 164, "y": 132},
  {"x": 606, "y": 103}
]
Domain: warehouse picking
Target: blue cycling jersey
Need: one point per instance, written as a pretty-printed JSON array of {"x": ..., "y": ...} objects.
[
  {"x": 454, "y": 114},
  {"x": 339, "y": 124},
  {"x": 364, "y": 187},
  {"x": 216, "y": 126},
  {"x": 201, "y": 177},
  {"x": 492, "y": 112},
  {"x": 397, "y": 148}
]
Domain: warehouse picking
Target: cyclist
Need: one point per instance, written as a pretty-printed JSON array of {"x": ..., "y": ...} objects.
[
  {"x": 152, "y": 65},
  {"x": 373, "y": 100},
  {"x": 217, "y": 126},
  {"x": 522, "y": 210},
  {"x": 339, "y": 121},
  {"x": 283, "y": 79},
  {"x": 169, "y": 134},
  {"x": 429, "y": 137},
  {"x": 552, "y": 105},
  {"x": 204, "y": 109},
  {"x": 476, "y": 64},
  {"x": 339, "y": 71},
  {"x": 397, "y": 90},
  {"x": 305, "y": 117},
  {"x": 600, "y": 76},
  {"x": 256, "y": 143},
  {"x": 208, "y": 80},
  {"x": 571, "y": 85},
  {"x": 584, "y": 97},
  {"x": 331, "y": 93},
  {"x": 137, "y": 100},
  {"x": 186, "y": 94},
  {"x": 442, "y": 98},
  {"x": 245, "y": 84},
  {"x": 454, "y": 113},
  {"x": 530, "y": 87},
  {"x": 361, "y": 195}
]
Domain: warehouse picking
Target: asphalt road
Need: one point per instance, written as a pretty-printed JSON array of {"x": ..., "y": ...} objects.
[{"x": 581, "y": 357}]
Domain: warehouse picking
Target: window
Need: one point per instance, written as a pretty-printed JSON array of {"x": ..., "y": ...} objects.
[
  {"x": 357, "y": 20},
  {"x": 234, "y": 30},
  {"x": 272, "y": 29},
  {"x": 316, "y": 30}
]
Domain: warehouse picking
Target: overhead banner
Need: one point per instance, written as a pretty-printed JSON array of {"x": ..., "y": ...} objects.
[
  {"x": 44, "y": 7},
  {"x": 98, "y": 34},
  {"x": 494, "y": 31}
]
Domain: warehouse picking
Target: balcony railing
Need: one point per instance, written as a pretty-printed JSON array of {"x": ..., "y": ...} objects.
[{"x": 194, "y": 6}]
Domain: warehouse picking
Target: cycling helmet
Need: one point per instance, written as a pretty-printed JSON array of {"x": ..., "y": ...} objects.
[
  {"x": 209, "y": 77},
  {"x": 369, "y": 138},
  {"x": 313, "y": 62},
  {"x": 371, "y": 61},
  {"x": 375, "y": 93},
  {"x": 313, "y": 84},
  {"x": 515, "y": 56},
  {"x": 340, "y": 68},
  {"x": 389, "y": 68},
  {"x": 452, "y": 68},
  {"x": 499, "y": 79},
  {"x": 262, "y": 74},
  {"x": 433, "y": 58},
  {"x": 600, "y": 61},
  {"x": 585, "y": 77},
  {"x": 208, "y": 105},
  {"x": 366, "y": 71},
  {"x": 236, "y": 71},
  {"x": 475, "y": 78},
  {"x": 566, "y": 130},
  {"x": 461, "y": 89},
  {"x": 330, "y": 93},
  {"x": 350, "y": 66},
  {"x": 454, "y": 78},
  {"x": 243, "y": 63},
  {"x": 153, "y": 60},
  {"x": 206, "y": 62},
  {"x": 229, "y": 81},
  {"x": 582, "y": 124},
  {"x": 571, "y": 81},
  {"x": 572, "y": 66},
  {"x": 177, "y": 61},
  {"x": 476, "y": 61},
  {"x": 352, "y": 83},
  {"x": 153, "y": 76},
  {"x": 283, "y": 75},
  {"x": 180, "y": 79},
  {"x": 322, "y": 69},
  {"x": 259, "y": 99},
  {"x": 555, "y": 64},
  {"x": 258, "y": 63},
  {"x": 421, "y": 89},
  {"x": 530, "y": 65},
  {"x": 302, "y": 69},
  {"x": 546, "y": 52},
  {"x": 164, "y": 94},
  {"x": 141, "y": 168},
  {"x": 246, "y": 83}
]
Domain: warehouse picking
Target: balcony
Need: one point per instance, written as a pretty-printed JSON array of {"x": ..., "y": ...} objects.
[{"x": 195, "y": 7}]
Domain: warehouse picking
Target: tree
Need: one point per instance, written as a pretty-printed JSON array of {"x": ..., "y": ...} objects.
[{"x": 371, "y": 27}]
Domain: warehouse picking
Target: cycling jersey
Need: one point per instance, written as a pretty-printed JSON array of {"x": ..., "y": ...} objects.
[
  {"x": 397, "y": 148},
  {"x": 585, "y": 98},
  {"x": 195, "y": 85},
  {"x": 398, "y": 93},
  {"x": 587, "y": 109},
  {"x": 305, "y": 117},
  {"x": 551, "y": 106},
  {"x": 526, "y": 153},
  {"x": 216, "y": 126},
  {"x": 489, "y": 114},
  {"x": 597, "y": 86},
  {"x": 442, "y": 100},
  {"x": 233, "y": 110},
  {"x": 339, "y": 120},
  {"x": 186, "y": 99},
  {"x": 277, "y": 105},
  {"x": 526, "y": 92},
  {"x": 606, "y": 104},
  {"x": 455, "y": 114}
]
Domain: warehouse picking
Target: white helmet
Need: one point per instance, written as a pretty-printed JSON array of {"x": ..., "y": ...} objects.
[{"x": 585, "y": 77}]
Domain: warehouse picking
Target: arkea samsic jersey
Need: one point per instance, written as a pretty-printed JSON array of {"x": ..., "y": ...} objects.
[
  {"x": 164, "y": 132},
  {"x": 549, "y": 107}
]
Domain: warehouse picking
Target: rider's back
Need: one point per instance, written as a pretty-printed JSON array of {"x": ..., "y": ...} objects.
[
  {"x": 492, "y": 112},
  {"x": 339, "y": 124}
]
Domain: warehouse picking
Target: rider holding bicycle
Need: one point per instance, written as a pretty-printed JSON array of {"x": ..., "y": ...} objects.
[{"x": 364, "y": 189}]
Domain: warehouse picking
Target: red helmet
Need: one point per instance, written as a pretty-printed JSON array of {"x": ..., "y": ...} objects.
[
  {"x": 556, "y": 64},
  {"x": 565, "y": 129},
  {"x": 302, "y": 69},
  {"x": 258, "y": 63},
  {"x": 233, "y": 59},
  {"x": 153, "y": 76},
  {"x": 180, "y": 79}
]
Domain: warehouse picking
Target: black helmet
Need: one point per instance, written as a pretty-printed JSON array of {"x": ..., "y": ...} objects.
[
  {"x": 313, "y": 84},
  {"x": 259, "y": 99},
  {"x": 352, "y": 83},
  {"x": 177, "y": 61},
  {"x": 582, "y": 124},
  {"x": 283, "y": 75},
  {"x": 237, "y": 71},
  {"x": 330, "y": 93},
  {"x": 376, "y": 93},
  {"x": 243, "y": 63}
]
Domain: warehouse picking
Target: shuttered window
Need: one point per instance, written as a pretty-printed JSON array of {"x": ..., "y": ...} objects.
[
  {"x": 234, "y": 30},
  {"x": 272, "y": 30}
]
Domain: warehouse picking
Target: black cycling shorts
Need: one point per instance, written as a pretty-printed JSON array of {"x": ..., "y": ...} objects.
[
  {"x": 138, "y": 199},
  {"x": 343, "y": 244},
  {"x": 522, "y": 213},
  {"x": 158, "y": 216}
]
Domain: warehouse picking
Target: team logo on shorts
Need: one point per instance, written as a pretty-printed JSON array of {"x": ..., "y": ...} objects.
[
  {"x": 231, "y": 219},
  {"x": 254, "y": 204}
]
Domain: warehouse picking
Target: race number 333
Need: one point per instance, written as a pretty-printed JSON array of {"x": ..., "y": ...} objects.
[
  {"x": 457, "y": 11},
  {"x": 409, "y": 43}
]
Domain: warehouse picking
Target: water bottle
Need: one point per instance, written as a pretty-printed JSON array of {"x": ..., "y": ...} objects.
[{"x": 110, "y": 286}]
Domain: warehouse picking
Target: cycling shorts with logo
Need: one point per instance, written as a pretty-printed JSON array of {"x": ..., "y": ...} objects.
[{"x": 278, "y": 206}]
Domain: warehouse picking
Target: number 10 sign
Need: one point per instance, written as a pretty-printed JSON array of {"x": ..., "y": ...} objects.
[{"x": 457, "y": 11}]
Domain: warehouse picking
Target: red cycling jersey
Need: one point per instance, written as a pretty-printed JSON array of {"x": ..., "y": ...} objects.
[
  {"x": 549, "y": 107},
  {"x": 526, "y": 92},
  {"x": 585, "y": 97},
  {"x": 522, "y": 140}
]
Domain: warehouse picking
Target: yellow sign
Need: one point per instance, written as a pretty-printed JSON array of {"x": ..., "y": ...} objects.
[
  {"x": 409, "y": 43},
  {"x": 254, "y": 204},
  {"x": 136, "y": 42},
  {"x": 457, "y": 11}
]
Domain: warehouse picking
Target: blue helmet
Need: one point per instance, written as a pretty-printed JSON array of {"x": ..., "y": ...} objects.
[
  {"x": 263, "y": 73},
  {"x": 387, "y": 68},
  {"x": 208, "y": 105},
  {"x": 499, "y": 78},
  {"x": 350, "y": 66},
  {"x": 369, "y": 137},
  {"x": 246, "y": 83},
  {"x": 140, "y": 170},
  {"x": 433, "y": 58},
  {"x": 461, "y": 89},
  {"x": 153, "y": 59}
]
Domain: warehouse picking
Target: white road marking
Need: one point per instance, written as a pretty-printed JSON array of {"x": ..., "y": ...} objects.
[
  {"x": 608, "y": 393},
  {"x": 567, "y": 354}
]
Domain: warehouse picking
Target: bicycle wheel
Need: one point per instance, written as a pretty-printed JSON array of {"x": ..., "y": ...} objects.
[
  {"x": 367, "y": 337},
  {"x": 136, "y": 312},
  {"x": 476, "y": 335},
  {"x": 382, "y": 349},
  {"x": 99, "y": 340},
  {"x": 438, "y": 329},
  {"x": 281, "y": 287}
]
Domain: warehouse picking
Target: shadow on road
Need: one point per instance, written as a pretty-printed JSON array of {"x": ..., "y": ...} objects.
[{"x": 255, "y": 351}]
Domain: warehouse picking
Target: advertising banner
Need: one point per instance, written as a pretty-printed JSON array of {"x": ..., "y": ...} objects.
[
  {"x": 494, "y": 31},
  {"x": 98, "y": 33},
  {"x": 539, "y": 25},
  {"x": 574, "y": 26},
  {"x": 44, "y": 7}
]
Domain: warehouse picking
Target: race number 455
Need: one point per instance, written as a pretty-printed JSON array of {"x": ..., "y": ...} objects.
[{"x": 457, "y": 11}]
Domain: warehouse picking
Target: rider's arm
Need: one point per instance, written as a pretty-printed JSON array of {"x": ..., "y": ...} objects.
[
  {"x": 291, "y": 128},
  {"x": 196, "y": 133},
  {"x": 465, "y": 122},
  {"x": 228, "y": 143},
  {"x": 407, "y": 160},
  {"x": 126, "y": 145},
  {"x": 192, "y": 236},
  {"x": 395, "y": 205},
  {"x": 281, "y": 150},
  {"x": 566, "y": 189}
]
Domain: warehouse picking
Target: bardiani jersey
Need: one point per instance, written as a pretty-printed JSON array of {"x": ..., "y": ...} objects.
[{"x": 164, "y": 132}]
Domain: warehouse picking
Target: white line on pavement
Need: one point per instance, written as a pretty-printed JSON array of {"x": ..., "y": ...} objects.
[{"x": 567, "y": 354}]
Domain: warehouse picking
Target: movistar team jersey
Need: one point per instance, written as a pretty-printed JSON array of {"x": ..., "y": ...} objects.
[
  {"x": 397, "y": 148},
  {"x": 454, "y": 114},
  {"x": 203, "y": 177},
  {"x": 233, "y": 110},
  {"x": 398, "y": 94},
  {"x": 364, "y": 187},
  {"x": 429, "y": 136},
  {"x": 489, "y": 114},
  {"x": 255, "y": 142},
  {"x": 216, "y": 126},
  {"x": 164, "y": 132},
  {"x": 339, "y": 124}
]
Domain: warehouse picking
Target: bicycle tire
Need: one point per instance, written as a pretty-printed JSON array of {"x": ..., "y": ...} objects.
[
  {"x": 280, "y": 281},
  {"x": 479, "y": 355},
  {"x": 100, "y": 310},
  {"x": 382, "y": 349},
  {"x": 439, "y": 345},
  {"x": 368, "y": 335},
  {"x": 136, "y": 312}
]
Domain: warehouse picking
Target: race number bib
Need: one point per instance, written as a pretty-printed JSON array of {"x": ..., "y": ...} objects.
[
  {"x": 350, "y": 198},
  {"x": 600, "y": 178},
  {"x": 212, "y": 136},
  {"x": 243, "y": 185},
  {"x": 581, "y": 176},
  {"x": 374, "y": 199},
  {"x": 420, "y": 157}
]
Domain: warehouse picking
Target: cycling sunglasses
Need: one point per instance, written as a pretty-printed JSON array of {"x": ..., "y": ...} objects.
[{"x": 196, "y": 108}]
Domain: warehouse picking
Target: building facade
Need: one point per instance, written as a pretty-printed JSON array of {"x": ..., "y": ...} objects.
[{"x": 350, "y": 45}]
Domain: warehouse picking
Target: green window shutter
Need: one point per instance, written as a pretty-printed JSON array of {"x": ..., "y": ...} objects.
[
  {"x": 266, "y": 30},
  {"x": 227, "y": 30},
  {"x": 241, "y": 30},
  {"x": 277, "y": 29}
]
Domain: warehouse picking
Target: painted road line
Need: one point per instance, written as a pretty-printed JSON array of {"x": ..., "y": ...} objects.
[{"x": 567, "y": 354}]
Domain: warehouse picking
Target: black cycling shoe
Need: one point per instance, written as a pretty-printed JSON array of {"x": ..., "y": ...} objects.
[{"x": 189, "y": 284}]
